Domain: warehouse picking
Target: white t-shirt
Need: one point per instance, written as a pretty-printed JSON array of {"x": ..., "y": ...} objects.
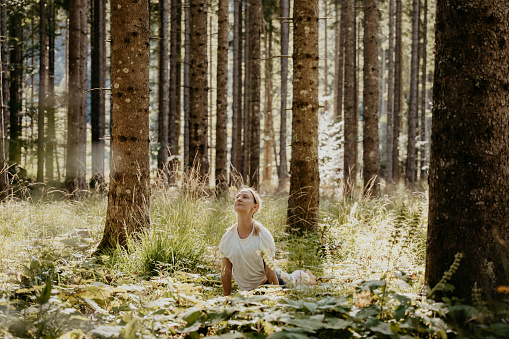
[
  {"x": 297, "y": 279},
  {"x": 248, "y": 266}
]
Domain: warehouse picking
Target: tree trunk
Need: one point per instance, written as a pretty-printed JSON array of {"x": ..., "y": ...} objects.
[
  {"x": 198, "y": 101},
  {"x": 339, "y": 64},
  {"x": 178, "y": 82},
  {"x": 5, "y": 79},
  {"x": 325, "y": 59},
  {"x": 414, "y": 84},
  {"x": 236, "y": 150},
  {"x": 371, "y": 94},
  {"x": 255, "y": 82},
  {"x": 128, "y": 213},
  {"x": 4, "y": 182},
  {"x": 246, "y": 145},
  {"x": 398, "y": 74},
  {"x": 187, "y": 89},
  {"x": 469, "y": 186},
  {"x": 350, "y": 148},
  {"x": 390, "y": 98},
  {"x": 268, "y": 144},
  {"x": 84, "y": 87},
  {"x": 50, "y": 101},
  {"x": 42, "y": 91},
  {"x": 16, "y": 78},
  {"x": 423, "y": 172},
  {"x": 163, "y": 90},
  {"x": 222, "y": 100},
  {"x": 285, "y": 37},
  {"x": 98, "y": 98},
  {"x": 173, "y": 131},
  {"x": 304, "y": 196}
]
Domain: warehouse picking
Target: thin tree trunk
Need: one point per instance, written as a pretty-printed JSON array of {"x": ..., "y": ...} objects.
[
  {"x": 236, "y": 157},
  {"x": 5, "y": 79},
  {"x": 255, "y": 80},
  {"x": 173, "y": 132},
  {"x": 98, "y": 98},
  {"x": 390, "y": 98},
  {"x": 50, "y": 101},
  {"x": 325, "y": 59},
  {"x": 304, "y": 195},
  {"x": 268, "y": 144},
  {"x": 398, "y": 74},
  {"x": 210, "y": 103},
  {"x": 128, "y": 211},
  {"x": 221, "y": 169},
  {"x": 423, "y": 170},
  {"x": 164, "y": 91},
  {"x": 339, "y": 64},
  {"x": 16, "y": 76},
  {"x": 187, "y": 88},
  {"x": 246, "y": 145},
  {"x": 42, "y": 91},
  {"x": 371, "y": 95},
  {"x": 84, "y": 86},
  {"x": 4, "y": 182},
  {"x": 198, "y": 125},
  {"x": 285, "y": 37},
  {"x": 414, "y": 83},
  {"x": 178, "y": 81},
  {"x": 350, "y": 148}
]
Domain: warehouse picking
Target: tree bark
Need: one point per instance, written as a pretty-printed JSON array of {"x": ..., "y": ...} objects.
[
  {"x": 255, "y": 82},
  {"x": 371, "y": 166},
  {"x": 390, "y": 98},
  {"x": 469, "y": 185},
  {"x": 42, "y": 91},
  {"x": 4, "y": 182},
  {"x": 198, "y": 100},
  {"x": 423, "y": 172},
  {"x": 285, "y": 37},
  {"x": 221, "y": 169},
  {"x": 350, "y": 148},
  {"x": 339, "y": 63},
  {"x": 246, "y": 128},
  {"x": 268, "y": 144},
  {"x": 163, "y": 90},
  {"x": 414, "y": 84},
  {"x": 128, "y": 213},
  {"x": 236, "y": 150},
  {"x": 187, "y": 90},
  {"x": 84, "y": 88},
  {"x": 398, "y": 74},
  {"x": 98, "y": 98},
  {"x": 5, "y": 78},
  {"x": 173, "y": 132},
  {"x": 50, "y": 100},
  {"x": 304, "y": 195},
  {"x": 16, "y": 76}
]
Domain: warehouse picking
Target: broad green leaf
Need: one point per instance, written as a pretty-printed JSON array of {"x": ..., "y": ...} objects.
[
  {"x": 383, "y": 328},
  {"x": 399, "y": 313},
  {"x": 336, "y": 323},
  {"x": 287, "y": 335},
  {"x": 74, "y": 334},
  {"x": 106, "y": 332},
  {"x": 45, "y": 293},
  {"x": 310, "y": 306},
  {"x": 306, "y": 324},
  {"x": 366, "y": 312},
  {"x": 95, "y": 306},
  {"x": 191, "y": 315},
  {"x": 129, "y": 330}
]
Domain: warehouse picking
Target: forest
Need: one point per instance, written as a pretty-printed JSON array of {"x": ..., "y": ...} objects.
[{"x": 368, "y": 138}]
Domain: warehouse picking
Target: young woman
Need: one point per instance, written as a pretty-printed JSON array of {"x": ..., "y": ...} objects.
[{"x": 241, "y": 245}]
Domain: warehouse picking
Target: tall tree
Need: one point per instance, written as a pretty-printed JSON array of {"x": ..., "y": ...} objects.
[
  {"x": 246, "y": 112},
  {"x": 222, "y": 99},
  {"x": 254, "y": 65},
  {"x": 339, "y": 61},
  {"x": 268, "y": 128},
  {"x": 83, "y": 88},
  {"x": 50, "y": 100},
  {"x": 98, "y": 82},
  {"x": 469, "y": 200},
  {"x": 75, "y": 168},
  {"x": 173, "y": 125},
  {"x": 163, "y": 89},
  {"x": 236, "y": 150},
  {"x": 4, "y": 182},
  {"x": 423, "y": 156},
  {"x": 398, "y": 91},
  {"x": 187, "y": 89},
  {"x": 325, "y": 58},
  {"x": 285, "y": 37},
  {"x": 371, "y": 95},
  {"x": 15, "y": 77},
  {"x": 414, "y": 87},
  {"x": 5, "y": 80},
  {"x": 128, "y": 211},
  {"x": 390, "y": 97},
  {"x": 304, "y": 196},
  {"x": 198, "y": 101},
  {"x": 350, "y": 152},
  {"x": 43, "y": 53}
]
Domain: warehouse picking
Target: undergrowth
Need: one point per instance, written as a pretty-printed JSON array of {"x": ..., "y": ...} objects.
[{"x": 367, "y": 252}]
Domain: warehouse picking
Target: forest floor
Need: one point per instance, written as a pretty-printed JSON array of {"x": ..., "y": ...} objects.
[{"x": 368, "y": 253}]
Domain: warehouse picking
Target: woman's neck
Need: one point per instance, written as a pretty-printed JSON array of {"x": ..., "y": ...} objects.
[{"x": 245, "y": 224}]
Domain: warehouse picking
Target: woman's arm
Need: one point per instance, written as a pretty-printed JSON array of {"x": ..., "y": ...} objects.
[
  {"x": 271, "y": 275},
  {"x": 226, "y": 276}
]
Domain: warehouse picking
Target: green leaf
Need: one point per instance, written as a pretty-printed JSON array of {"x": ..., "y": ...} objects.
[
  {"x": 287, "y": 335},
  {"x": 105, "y": 331},
  {"x": 129, "y": 330},
  {"x": 255, "y": 335},
  {"x": 372, "y": 285},
  {"x": 310, "y": 306},
  {"x": 367, "y": 312},
  {"x": 336, "y": 323},
  {"x": 45, "y": 293},
  {"x": 382, "y": 328},
  {"x": 191, "y": 315},
  {"x": 306, "y": 324},
  {"x": 400, "y": 312}
]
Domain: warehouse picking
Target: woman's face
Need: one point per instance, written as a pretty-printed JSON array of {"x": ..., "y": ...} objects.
[{"x": 244, "y": 202}]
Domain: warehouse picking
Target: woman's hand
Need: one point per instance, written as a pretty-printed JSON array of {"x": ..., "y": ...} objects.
[{"x": 226, "y": 276}]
